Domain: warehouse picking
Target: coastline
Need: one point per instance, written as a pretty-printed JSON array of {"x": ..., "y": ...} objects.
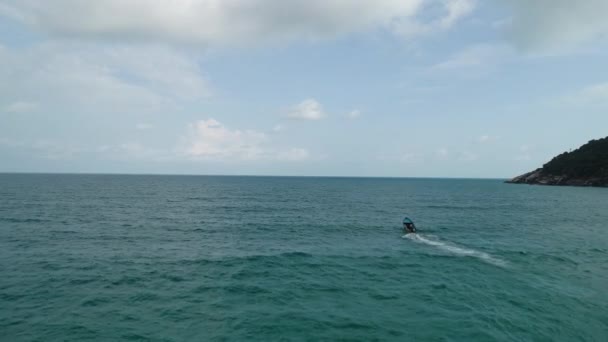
[{"x": 540, "y": 177}]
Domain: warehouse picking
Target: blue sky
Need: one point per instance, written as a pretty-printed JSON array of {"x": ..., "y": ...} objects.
[{"x": 406, "y": 88}]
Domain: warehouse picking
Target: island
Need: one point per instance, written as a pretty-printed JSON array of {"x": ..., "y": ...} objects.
[{"x": 586, "y": 166}]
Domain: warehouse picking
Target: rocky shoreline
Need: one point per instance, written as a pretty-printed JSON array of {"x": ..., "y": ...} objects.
[
  {"x": 540, "y": 177},
  {"x": 585, "y": 166}
]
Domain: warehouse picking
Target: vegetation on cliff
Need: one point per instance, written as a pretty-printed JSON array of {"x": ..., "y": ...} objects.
[
  {"x": 589, "y": 161},
  {"x": 586, "y": 166}
]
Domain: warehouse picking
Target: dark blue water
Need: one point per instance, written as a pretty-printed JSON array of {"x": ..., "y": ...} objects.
[{"x": 179, "y": 258}]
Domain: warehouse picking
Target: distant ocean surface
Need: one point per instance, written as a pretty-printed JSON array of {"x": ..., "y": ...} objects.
[{"x": 189, "y": 258}]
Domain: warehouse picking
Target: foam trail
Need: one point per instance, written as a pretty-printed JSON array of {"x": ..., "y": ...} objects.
[{"x": 456, "y": 250}]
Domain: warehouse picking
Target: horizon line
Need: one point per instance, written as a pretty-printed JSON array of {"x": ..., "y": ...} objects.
[{"x": 236, "y": 175}]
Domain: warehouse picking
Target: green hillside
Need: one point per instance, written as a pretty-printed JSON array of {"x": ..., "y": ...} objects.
[{"x": 588, "y": 161}]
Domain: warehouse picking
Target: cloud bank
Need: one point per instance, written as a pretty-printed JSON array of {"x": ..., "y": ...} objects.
[
  {"x": 230, "y": 21},
  {"x": 555, "y": 24},
  {"x": 211, "y": 140}
]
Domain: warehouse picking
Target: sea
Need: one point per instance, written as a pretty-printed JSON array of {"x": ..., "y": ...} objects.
[{"x": 231, "y": 258}]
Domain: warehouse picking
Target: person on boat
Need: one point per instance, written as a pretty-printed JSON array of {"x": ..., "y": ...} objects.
[{"x": 409, "y": 227}]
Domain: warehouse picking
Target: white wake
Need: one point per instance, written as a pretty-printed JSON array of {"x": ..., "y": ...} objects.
[{"x": 451, "y": 248}]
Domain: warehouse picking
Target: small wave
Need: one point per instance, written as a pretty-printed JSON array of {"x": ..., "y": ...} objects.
[
  {"x": 459, "y": 207},
  {"x": 23, "y": 220},
  {"x": 461, "y": 251}
]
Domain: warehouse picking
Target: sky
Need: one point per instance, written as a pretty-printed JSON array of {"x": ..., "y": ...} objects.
[{"x": 387, "y": 88}]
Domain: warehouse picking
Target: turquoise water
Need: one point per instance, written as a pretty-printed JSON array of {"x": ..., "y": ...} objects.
[{"x": 178, "y": 258}]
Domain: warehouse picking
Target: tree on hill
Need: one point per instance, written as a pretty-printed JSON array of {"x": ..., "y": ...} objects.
[{"x": 588, "y": 161}]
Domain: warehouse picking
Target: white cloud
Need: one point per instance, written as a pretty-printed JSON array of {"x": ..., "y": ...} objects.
[
  {"x": 483, "y": 139},
  {"x": 308, "y": 109},
  {"x": 210, "y": 139},
  {"x": 452, "y": 11},
  {"x": 556, "y": 24},
  {"x": 20, "y": 107},
  {"x": 455, "y": 11},
  {"x": 205, "y": 140},
  {"x": 353, "y": 114},
  {"x": 230, "y": 21}
]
